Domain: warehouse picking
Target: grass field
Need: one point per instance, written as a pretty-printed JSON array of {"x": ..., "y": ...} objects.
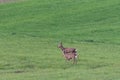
[{"x": 30, "y": 31}]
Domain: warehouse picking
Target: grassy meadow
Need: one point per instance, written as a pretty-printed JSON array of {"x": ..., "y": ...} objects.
[{"x": 30, "y": 31}]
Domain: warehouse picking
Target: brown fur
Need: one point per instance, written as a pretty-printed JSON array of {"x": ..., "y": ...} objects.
[{"x": 69, "y": 53}]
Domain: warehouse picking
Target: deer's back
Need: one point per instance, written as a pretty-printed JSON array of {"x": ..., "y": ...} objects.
[{"x": 69, "y": 50}]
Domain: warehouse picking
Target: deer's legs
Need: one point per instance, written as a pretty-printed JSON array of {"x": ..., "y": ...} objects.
[{"x": 75, "y": 58}]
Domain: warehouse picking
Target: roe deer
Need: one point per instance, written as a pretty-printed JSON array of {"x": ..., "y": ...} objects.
[{"x": 69, "y": 53}]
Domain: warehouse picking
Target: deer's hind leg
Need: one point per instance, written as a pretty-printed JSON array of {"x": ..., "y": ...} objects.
[{"x": 75, "y": 58}]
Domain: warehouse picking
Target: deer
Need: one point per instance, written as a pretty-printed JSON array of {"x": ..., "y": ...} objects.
[{"x": 69, "y": 53}]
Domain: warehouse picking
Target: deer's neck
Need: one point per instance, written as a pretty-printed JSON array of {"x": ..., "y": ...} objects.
[{"x": 62, "y": 48}]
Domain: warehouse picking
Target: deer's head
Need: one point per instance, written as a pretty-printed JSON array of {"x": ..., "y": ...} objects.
[{"x": 60, "y": 45}]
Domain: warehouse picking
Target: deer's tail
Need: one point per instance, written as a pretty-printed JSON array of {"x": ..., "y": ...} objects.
[{"x": 76, "y": 55}]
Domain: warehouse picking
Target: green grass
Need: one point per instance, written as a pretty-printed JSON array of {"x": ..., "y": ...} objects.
[{"x": 31, "y": 30}]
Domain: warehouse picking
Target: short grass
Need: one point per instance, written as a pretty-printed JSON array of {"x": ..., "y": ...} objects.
[{"x": 31, "y": 30}]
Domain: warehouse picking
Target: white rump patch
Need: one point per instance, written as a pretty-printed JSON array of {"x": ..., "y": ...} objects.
[
  {"x": 76, "y": 50},
  {"x": 76, "y": 55}
]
